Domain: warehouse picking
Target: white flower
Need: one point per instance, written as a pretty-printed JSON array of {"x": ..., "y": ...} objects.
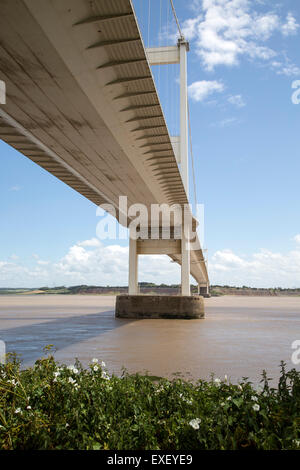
[
  {"x": 28, "y": 407},
  {"x": 186, "y": 400},
  {"x": 96, "y": 368},
  {"x": 217, "y": 381},
  {"x": 240, "y": 387},
  {"x": 254, "y": 398},
  {"x": 56, "y": 374},
  {"x": 71, "y": 381},
  {"x": 222, "y": 404},
  {"x": 67, "y": 425},
  {"x": 103, "y": 364},
  {"x": 256, "y": 407},
  {"x": 228, "y": 398},
  {"x": 95, "y": 361},
  {"x": 18, "y": 410},
  {"x": 297, "y": 442},
  {"x": 195, "y": 423},
  {"x": 225, "y": 377}
]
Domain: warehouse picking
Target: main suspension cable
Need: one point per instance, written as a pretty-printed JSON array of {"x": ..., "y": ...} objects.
[{"x": 176, "y": 19}]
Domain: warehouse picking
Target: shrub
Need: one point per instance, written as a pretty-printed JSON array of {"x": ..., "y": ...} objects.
[{"x": 53, "y": 406}]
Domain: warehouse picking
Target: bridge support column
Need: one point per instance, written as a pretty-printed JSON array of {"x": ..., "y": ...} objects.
[
  {"x": 203, "y": 290},
  {"x": 185, "y": 240},
  {"x": 133, "y": 267},
  {"x": 184, "y": 141},
  {"x": 185, "y": 262}
]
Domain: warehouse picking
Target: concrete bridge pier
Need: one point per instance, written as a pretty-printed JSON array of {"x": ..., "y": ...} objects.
[{"x": 160, "y": 306}]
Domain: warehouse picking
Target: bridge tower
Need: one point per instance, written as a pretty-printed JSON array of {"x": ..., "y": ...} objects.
[
  {"x": 166, "y": 55},
  {"x": 184, "y": 306}
]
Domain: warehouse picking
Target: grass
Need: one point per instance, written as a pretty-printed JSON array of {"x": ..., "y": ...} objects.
[{"x": 53, "y": 406}]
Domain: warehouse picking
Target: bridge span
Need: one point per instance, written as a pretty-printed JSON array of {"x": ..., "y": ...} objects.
[{"x": 82, "y": 104}]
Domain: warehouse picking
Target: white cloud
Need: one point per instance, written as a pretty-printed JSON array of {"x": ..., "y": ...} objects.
[
  {"x": 291, "y": 26},
  {"x": 18, "y": 275},
  {"x": 90, "y": 243},
  {"x": 265, "y": 26},
  {"x": 15, "y": 188},
  {"x": 237, "y": 100},
  {"x": 262, "y": 269},
  {"x": 199, "y": 91},
  {"x": 285, "y": 68},
  {"x": 289, "y": 70},
  {"x": 227, "y": 30},
  {"x": 297, "y": 238},
  {"x": 190, "y": 27},
  {"x": 225, "y": 122}
]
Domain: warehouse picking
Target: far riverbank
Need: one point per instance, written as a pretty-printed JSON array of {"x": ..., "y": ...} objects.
[{"x": 150, "y": 288}]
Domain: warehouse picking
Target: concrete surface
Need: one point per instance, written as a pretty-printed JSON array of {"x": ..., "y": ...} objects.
[{"x": 160, "y": 306}]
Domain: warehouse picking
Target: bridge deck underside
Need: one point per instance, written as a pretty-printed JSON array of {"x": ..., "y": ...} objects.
[{"x": 82, "y": 92}]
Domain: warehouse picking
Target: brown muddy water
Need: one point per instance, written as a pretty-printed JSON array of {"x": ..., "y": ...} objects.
[{"x": 240, "y": 336}]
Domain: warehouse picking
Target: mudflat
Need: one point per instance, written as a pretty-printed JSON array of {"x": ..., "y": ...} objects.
[{"x": 240, "y": 336}]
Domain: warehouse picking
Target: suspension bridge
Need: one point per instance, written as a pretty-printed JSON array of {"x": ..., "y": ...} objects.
[{"x": 82, "y": 103}]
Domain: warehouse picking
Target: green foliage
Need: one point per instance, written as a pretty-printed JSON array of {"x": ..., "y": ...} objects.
[{"x": 52, "y": 406}]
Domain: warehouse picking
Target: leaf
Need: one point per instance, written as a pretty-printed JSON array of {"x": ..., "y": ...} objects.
[
  {"x": 96, "y": 446},
  {"x": 238, "y": 401}
]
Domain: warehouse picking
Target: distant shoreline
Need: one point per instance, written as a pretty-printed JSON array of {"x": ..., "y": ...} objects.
[{"x": 149, "y": 288}]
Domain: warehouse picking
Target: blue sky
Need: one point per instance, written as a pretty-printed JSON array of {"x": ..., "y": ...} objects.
[{"x": 244, "y": 58}]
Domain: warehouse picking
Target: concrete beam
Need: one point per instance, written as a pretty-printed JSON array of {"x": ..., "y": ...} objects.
[
  {"x": 159, "y": 247},
  {"x": 175, "y": 141},
  {"x": 103, "y": 18},
  {"x": 163, "y": 55},
  {"x": 113, "y": 43}
]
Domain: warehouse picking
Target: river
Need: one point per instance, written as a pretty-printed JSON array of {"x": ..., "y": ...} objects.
[{"x": 240, "y": 336}]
